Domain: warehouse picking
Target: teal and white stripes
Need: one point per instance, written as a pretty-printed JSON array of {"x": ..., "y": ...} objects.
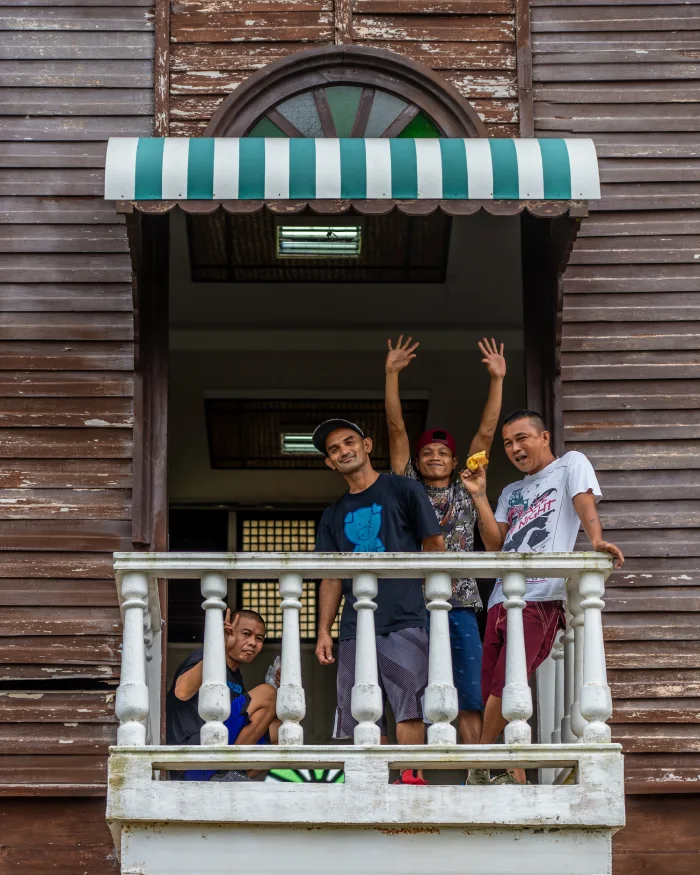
[{"x": 146, "y": 169}]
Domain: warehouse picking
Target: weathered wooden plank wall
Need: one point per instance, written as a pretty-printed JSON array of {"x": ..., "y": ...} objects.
[
  {"x": 628, "y": 76},
  {"x": 73, "y": 72},
  {"x": 217, "y": 44}
]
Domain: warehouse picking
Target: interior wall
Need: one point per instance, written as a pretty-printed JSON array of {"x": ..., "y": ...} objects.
[{"x": 325, "y": 341}]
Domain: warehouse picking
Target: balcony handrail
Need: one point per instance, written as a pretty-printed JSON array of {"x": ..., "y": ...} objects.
[
  {"x": 345, "y": 565},
  {"x": 586, "y": 704}
]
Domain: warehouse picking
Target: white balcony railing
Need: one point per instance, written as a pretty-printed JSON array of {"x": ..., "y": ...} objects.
[
  {"x": 562, "y": 827},
  {"x": 582, "y": 701}
]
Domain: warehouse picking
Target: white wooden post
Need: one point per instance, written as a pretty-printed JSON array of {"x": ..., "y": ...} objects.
[
  {"x": 291, "y": 705},
  {"x": 131, "y": 702},
  {"x": 577, "y": 721},
  {"x": 440, "y": 694},
  {"x": 517, "y": 698},
  {"x": 214, "y": 696},
  {"x": 596, "y": 700},
  {"x": 366, "y": 700},
  {"x": 558, "y": 657},
  {"x": 567, "y": 736}
]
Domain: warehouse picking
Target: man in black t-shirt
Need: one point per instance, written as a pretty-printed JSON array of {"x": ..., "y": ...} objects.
[
  {"x": 252, "y": 714},
  {"x": 378, "y": 513}
]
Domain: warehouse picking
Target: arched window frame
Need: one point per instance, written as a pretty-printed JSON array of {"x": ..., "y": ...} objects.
[{"x": 345, "y": 65}]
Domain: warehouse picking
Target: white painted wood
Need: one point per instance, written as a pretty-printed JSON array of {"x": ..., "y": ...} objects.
[
  {"x": 544, "y": 704},
  {"x": 440, "y": 704},
  {"x": 558, "y": 658},
  {"x": 179, "y": 850},
  {"x": 367, "y": 797},
  {"x": 577, "y": 721},
  {"x": 366, "y": 700},
  {"x": 131, "y": 703},
  {"x": 263, "y": 566},
  {"x": 291, "y": 704},
  {"x": 214, "y": 696},
  {"x": 596, "y": 700},
  {"x": 517, "y": 698},
  {"x": 567, "y": 639}
]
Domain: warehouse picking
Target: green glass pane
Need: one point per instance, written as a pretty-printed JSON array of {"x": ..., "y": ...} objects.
[
  {"x": 266, "y": 128},
  {"x": 420, "y": 125},
  {"x": 343, "y": 101}
]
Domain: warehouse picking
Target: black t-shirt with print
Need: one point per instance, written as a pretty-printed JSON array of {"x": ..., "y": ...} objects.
[
  {"x": 392, "y": 515},
  {"x": 182, "y": 719}
]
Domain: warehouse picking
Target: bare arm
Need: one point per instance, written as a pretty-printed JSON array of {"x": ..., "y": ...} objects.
[
  {"x": 397, "y": 359},
  {"x": 492, "y": 533},
  {"x": 585, "y": 506},
  {"x": 188, "y": 684},
  {"x": 434, "y": 544},
  {"x": 329, "y": 597},
  {"x": 496, "y": 366}
]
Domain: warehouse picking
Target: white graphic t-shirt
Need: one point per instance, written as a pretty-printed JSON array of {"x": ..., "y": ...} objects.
[{"x": 540, "y": 512}]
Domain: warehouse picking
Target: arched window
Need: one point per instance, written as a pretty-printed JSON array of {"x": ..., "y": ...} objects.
[
  {"x": 345, "y": 111},
  {"x": 345, "y": 91}
]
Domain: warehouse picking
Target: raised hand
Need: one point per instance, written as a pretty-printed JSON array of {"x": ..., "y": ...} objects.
[
  {"x": 229, "y": 627},
  {"x": 401, "y": 355},
  {"x": 474, "y": 481},
  {"x": 493, "y": 358}
]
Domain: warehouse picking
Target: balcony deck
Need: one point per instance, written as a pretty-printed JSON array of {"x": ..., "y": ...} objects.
[{"x": 367, "y": 824}]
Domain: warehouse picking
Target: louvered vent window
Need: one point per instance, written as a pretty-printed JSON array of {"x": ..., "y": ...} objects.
[
  {"x": 245, "y": 433},
  {"x": 279, "y": 533}
]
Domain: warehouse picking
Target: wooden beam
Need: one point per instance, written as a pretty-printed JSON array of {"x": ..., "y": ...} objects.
[
  {"x": 161, "y": 65},
  {"x": 524, "y": 67},
  {"x": 342, "y": 17}
]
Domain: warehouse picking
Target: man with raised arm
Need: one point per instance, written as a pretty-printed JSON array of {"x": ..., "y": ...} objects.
[
  {"x": 457, "y": 510},
  {"x": 252, "y": 719},
  {"x": 378, "y": 513},
  {"x": 541, "y": 513}
]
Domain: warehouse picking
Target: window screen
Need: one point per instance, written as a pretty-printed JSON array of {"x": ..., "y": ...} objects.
[{"x": 293, "y": 533}]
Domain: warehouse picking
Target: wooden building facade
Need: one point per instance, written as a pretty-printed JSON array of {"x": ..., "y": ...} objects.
[{"x": 73, "y": 73}]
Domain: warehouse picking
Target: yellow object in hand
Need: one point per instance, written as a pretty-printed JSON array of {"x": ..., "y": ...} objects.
[{"x": 477, "y": 459}]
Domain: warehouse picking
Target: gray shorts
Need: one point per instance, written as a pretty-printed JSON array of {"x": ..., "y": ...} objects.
[{"x": 402, "y": 660}]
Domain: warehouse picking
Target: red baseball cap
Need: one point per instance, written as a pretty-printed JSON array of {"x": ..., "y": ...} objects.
[{"x": 437, "y": 436}]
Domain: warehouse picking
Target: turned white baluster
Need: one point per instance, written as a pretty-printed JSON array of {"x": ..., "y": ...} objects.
[
  {"x": 577, "y": 721},
  {"x": 132, "y": 694},
  {"x": 214, "y": 696},
  {"x": 567, "y": 735},
  {"x": 558, "y": 657},
  {"x": 596, "y": 700},
  {"x": 440, "y": 694},
  {"x": 517, "y": 698},
  {"x": 366, "y": 702},
  {"x": 291, "y": 705}
]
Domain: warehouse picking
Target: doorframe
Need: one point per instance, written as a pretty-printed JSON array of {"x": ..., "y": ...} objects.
[{"x": 545, "y": 249}]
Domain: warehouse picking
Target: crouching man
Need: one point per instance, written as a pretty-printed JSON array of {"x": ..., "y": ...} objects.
[
  {"x": 252, "y": 719},
  {"x": 541, "y": 513}
]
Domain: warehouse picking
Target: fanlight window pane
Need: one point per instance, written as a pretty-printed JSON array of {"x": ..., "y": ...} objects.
[
  {"x": 420, "y": 126},
  {"x": 385, "y": 108},
  {"x": 343, "y": 102},
  {"x": 266, "y": 128},
  {"x": 301, "y": 111}
]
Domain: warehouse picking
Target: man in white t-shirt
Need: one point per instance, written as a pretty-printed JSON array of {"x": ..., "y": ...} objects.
[{"x": 541, "y": 513}]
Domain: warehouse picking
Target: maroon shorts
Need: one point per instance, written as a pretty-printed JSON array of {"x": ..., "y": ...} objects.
[{"x": 541, "y": 622}]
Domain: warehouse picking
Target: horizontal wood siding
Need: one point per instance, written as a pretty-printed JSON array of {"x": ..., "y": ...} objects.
[
  {"x": 628, "y": 75},
  {"x": 72, "y": 74},
  {"x": 216, "y": 45}
]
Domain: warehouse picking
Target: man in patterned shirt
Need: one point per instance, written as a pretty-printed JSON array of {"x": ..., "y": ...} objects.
[{"x": 457, "y": 511}]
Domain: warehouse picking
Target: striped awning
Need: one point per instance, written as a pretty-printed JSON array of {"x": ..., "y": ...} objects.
[{"x": 154, "y": 169}]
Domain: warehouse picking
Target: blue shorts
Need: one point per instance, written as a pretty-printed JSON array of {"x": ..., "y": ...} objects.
[{"x": 465, "y": 643}]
